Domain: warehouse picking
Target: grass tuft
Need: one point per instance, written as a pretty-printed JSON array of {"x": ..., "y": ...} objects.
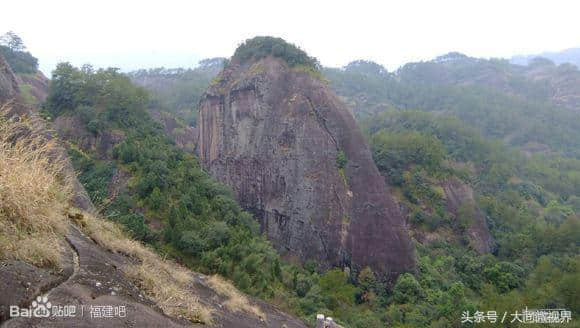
[
  {"x": 34, "y": 202},
  {"x": 164, "y": 281},
  {"x": 236, "y": 301},
  {"x": 33, "y": 196}
]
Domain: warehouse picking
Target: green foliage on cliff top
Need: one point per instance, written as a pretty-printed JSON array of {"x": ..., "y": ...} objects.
[
  {"x": 12, "y": 48},
  {"x": 262, "y": 46}
]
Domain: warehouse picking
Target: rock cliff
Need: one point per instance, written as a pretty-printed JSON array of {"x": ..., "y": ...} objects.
[
  {"x": 459, "y": 195},
  {"x": 8, "y": 83},
  {"x": 93, "y": 273},
  {"x": 294, "y": 156}
]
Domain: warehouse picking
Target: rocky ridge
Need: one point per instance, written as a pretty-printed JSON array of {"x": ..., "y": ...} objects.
[{"x": 292, "y": 153}]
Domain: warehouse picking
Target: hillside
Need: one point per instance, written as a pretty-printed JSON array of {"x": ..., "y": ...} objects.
[
  {"x": 55, "y": 243},
  {"x": 33, "y": 84},
  {"x": 465, "y": 140},
  {"x": 178, "y": 91},
  {"x": 377, "y": 198},
  {"x": 488, "y": 187},
  {"x": 512, "y": 103},
  {"x": 137, "y": 177}
]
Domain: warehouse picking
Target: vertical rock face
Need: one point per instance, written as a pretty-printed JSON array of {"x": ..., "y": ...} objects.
[
  {"x": 8, "y": 84},
  {"x": 274, "y": 135},
  {"x": 458, "y": 194}
]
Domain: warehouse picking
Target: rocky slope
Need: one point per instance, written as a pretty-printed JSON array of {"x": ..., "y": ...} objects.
[
  {"x": 95, "y": 272},
  {"x": 8, "y": 83},
  {"x": 458, "y": 194},
  {"x": 294, "y": 156}
]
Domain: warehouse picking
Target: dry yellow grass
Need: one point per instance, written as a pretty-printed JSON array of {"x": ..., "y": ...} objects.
[
  {"x": 236, "y": 301},
  {"x": 33, "y": 197},
  {"x": 172, "y": 296},
  {"x": 166, "y": 282},
  {"x": 34, "y": 204},
  {"x": 34, "y": 200}
]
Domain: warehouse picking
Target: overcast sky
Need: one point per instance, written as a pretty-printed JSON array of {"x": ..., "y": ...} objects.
[{"x": 133, "y": 34}]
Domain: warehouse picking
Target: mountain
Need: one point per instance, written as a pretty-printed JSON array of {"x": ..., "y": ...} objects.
[
  {"x": 503, "y": 101},
  {"x": 474, "y": 162},
  {"x": 292, "y": 153},
  {"x": 56, "y": 249},
  {"x": 178, "y": 91},
  {"x": 480, "y": 156},
  {"x": 571, "y": 56},
  {"x": 141, "y": 179}
]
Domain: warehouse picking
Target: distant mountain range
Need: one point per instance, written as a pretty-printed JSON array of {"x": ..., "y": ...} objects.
[{"x": 571, "y": 56}]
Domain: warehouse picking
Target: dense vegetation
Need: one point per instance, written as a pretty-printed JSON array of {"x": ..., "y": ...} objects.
[
  {"x": 262, "y": 46},
  {"x": 531, "y": 210},
  {"x": 196, "y": 219},
  {"x": 500, "y": 100},
  {"x": 469, "y": 119},
  {"x": 458, "y": 131}
]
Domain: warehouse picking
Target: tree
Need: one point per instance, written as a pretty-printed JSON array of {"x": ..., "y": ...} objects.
[
  {"x": 262, "y": 46},
  {"x": 65, "y": 88},
  {"x": 12, "y": 41},
  {"x": 368, "y": 285},
  {"x": 334, "y": 284},
  {"x": 504, "y": 275},
  {"x": 12, "y": 49},
  {"x": 407, "y": 289},
  {"x": 156, "y": 199}
]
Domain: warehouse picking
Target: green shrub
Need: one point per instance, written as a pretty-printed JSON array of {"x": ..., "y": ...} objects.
[
  {"x": 262, "y": 46},
  {"x": 407, "y": 289},
  {"x": 341, "y": 159}
]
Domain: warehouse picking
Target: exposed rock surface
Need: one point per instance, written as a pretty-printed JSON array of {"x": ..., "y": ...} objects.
[
  {"x": 8, "y": 83},
  {"x": 458, "y": 194},
  {"x": 37, "y": 85},
  {"x": 326, "y": 322},
  {"x": 185, "y": 136},
  {"x": 273, "y": 133},
  {"x": 95, "y": 278},
  {"x": 92, "y": 275},
  {"x": 71, "y": 128}
]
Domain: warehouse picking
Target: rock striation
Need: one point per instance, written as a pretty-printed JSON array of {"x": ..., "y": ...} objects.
[
  {"x": 294, "y": 156},
  {"x": 93, "y": 275},
  {"x": 8, "y": 83}
]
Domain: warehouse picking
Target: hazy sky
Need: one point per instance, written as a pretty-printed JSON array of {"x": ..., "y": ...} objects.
[{"x": 133, "y": 34}]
